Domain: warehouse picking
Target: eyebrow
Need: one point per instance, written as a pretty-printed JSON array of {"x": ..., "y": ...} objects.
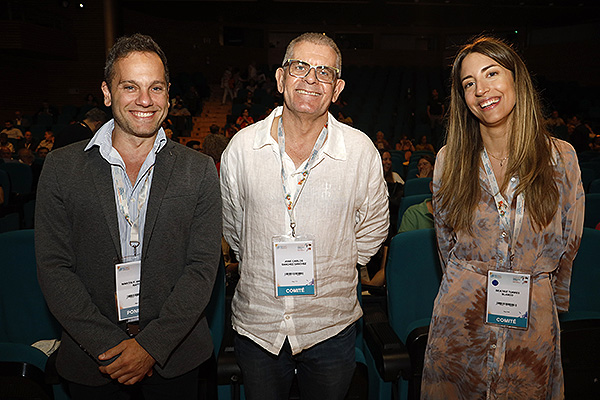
[
  {"x": 137, "y": 84},
  {"x": 482, "y": 70}
]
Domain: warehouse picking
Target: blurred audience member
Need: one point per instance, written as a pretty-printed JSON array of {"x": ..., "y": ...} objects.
[
  {"x": 425, "y": 167},
  {"x": 435, "y": 110},
  {"x": 244, "y": 120},
  {"x": 554, "y": 120},
  {"x": 27, "y": 141},
  {"x": 213, "y": 146},
  {"x": 42, "y": 152},
  {"x": 380, "y": 142},
  {"x": 11, "y": 131},
  {"x": 48, "y": 110},
  {"x": 48, "y": 141},
  {"x": 194, "y": 144},
  {"x": 83, "y": 130},
  {"x": 418, "y": 216},
  {"x": 389, "y": 175},
  {"x": 6, "y": 144},
  {"x": 406, "y": 146},
  {"x": 580, "y": 136},
  {"x": 21, "y": 122},
  {"x": 424, "y": 146}
]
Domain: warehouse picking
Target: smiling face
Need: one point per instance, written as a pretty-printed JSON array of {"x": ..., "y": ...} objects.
[
  {"x": 138, "y": 94},
  {"x": 308, "y": 96},
  {"x": 425, "y": 168},
  {"x": 386, "y": 159},
  {"x": 489, "y": 90}
]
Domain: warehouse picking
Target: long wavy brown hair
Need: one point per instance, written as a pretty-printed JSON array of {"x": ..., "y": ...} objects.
[{"x": 530, "y": 145}]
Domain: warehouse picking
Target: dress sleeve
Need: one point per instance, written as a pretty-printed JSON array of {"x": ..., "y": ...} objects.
[
  {"x": 572, "y": 211},
  {"x": 445, "y": 234}
]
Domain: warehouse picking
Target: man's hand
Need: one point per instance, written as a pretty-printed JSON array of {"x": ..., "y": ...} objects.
[{"x": 133, "y": 364}]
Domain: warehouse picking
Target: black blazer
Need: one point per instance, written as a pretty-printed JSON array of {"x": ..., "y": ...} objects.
[{"x": 77, "y": 244}]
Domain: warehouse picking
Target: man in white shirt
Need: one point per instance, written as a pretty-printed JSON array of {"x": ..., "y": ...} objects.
[
  {"x": 304, "y": 201},
  {"x": 11, "y": 131}
]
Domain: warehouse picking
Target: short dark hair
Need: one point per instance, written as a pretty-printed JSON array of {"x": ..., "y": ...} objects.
[
  {"x": 192, "y": 143},
  {"x": 126, "y": 45}
]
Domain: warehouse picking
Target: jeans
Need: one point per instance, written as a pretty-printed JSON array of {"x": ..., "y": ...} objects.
[{"x": 324, "y": 371}]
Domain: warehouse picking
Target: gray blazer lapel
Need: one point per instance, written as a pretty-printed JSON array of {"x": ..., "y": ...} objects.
[
  {"x": 102, "y": 176},
  {"x": 165, "y": 160}
]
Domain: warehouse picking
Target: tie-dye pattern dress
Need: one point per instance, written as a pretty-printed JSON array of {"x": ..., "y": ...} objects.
[{"x": 467, "y": 359}]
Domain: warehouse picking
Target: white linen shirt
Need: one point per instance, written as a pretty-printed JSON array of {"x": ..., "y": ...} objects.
[{"x": 344, "y": 205}]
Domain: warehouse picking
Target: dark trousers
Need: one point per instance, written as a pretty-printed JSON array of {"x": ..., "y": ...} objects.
[
  {"x": 199, "y": 383},
  {"x": 324, "y": 371}
]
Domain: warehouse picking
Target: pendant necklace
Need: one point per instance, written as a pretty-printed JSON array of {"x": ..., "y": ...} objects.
[{"x": 502, "y": 160}]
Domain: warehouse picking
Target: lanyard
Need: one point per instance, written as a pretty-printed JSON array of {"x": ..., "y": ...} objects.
[
  {"x": 289, "y": 202},
  {"x": 504, "y": 209},
  {"x": 134, "y": 236}
]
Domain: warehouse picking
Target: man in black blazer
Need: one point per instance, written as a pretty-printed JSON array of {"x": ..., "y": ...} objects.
[{"x": 130, "y": 200}]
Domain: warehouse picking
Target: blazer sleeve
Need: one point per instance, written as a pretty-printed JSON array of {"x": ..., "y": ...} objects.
[{"x": 65, "y": 293}]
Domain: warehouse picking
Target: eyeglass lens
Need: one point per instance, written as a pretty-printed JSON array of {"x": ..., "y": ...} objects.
[{"x": 300, "y": 69}]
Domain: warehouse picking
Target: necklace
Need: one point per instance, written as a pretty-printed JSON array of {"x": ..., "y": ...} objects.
[{"x": 502, "y": 160}]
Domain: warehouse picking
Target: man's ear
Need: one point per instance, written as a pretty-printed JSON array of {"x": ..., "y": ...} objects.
[
  {"x": 280, "y": 78},
  {"x": 337, "y": 89},
  {"x": 107, "y": 95}
]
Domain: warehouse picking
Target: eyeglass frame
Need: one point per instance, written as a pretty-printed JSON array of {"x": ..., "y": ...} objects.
[{"x": 311, "y": 67}]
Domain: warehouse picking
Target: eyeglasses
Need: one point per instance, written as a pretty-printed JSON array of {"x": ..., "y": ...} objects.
[{"x": 301, "y": 69}]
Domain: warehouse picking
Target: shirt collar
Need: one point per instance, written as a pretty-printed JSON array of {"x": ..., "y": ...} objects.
[
  {"x": 103, "y": 139},
  {"x": 334, "y": 146}
]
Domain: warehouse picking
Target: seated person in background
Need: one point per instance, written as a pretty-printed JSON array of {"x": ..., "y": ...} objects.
[
  {"x": 42, "y": 152},
  {"x": 213, "y": 146},
  {"x": 554, "y": 120},
  {"x": 5, "y": 143},
  {"x": 406, "y": 146},
  {"x": 418, "y": 216},
  {"x": 245, "y": 119},
  {"x": 5, "y": 153},
  {"x": 11, "y": 131},
  {"x": 194, "y": 144},
  {"x": 425, "y": 166},
  {"x": 424, "y": 146},
  {"x": 48, "y": 141},
  {"x": 27, "y": 141},
  {"x": 381, "y": 143},
  {"x": 389, "y": 175},
  {"x": 82, "y": 130}
]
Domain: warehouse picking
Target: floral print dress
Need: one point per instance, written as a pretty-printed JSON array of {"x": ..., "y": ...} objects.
[{"x": 467, "y": 359}]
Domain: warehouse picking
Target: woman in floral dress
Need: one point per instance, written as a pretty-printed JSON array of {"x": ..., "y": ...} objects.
[{"x": 507, "y": 199}]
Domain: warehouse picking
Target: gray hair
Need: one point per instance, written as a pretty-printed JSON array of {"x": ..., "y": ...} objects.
[
  {"x": 96, "y": 115},
  {"x": 315, "y": 38}
]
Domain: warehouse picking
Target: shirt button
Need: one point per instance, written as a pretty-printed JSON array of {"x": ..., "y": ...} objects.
[
  {"x": 513, "y": 179},
  {"x": 493, "y": 346},
  {"x": 287, "y": 317},
  {"x": 504, "y": 234}
]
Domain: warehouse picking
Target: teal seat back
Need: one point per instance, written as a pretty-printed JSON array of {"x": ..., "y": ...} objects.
[
  {"x": 24, "y": 315},
  {"x": 592, "y": 210},
  {"x": 413, "y": 276},
  {"x": 215, "y": 310},
  {"x": 585, "y": 302}
]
